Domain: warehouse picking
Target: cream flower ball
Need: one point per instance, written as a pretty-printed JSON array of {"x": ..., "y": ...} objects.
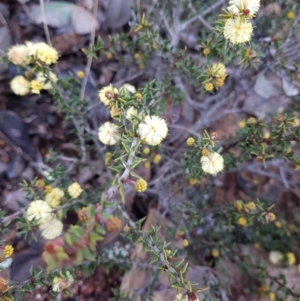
[
  {"x": 74, "y": 190},
  {"x": 43, "y": 52},
  {"x": 275, "y": 257},
  {"x": 108, "y": 94},
  {"x": 237, "y": 6},
  {"x": 212, "y": 164},
  {"x": 18, "y": 55},
  {"x": 54, "y": 197},
  {"x": 20, "y": 85},
  {"x": 38, "y": 210},
  {"x": 238, "y": 30},
  {"x": 108, "y": 133},
  {"x": 51, "y": 228},
  {"x": 127, "y": 88},
  {"x": 46, "y": 82},
  {"x": 218, "y": 70},
  {"x": 132, "y": 114},
  {"x": 153, "y": 130},
  {"x": 61, "y": 283}
]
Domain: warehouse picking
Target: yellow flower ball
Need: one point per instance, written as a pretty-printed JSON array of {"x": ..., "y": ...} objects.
[
  {"x": 192, "y": 181},
  {"x": 215, "y": 253},
  {"x": 80, "y": 74},
  {"x": 146, "y": 151},
  {"x": 83, "y": 214},
  {"x": 43, "y": 53},
  {"x": 156, "y": 158},
  {"x": 290, "y": 15},
  {"x": 206, "y": 51},
  {"x": 190, "y": 141},
  {"x": 205, "y": 152},
  {"x": 36, "y": 86},
  {"x": 219, "y": 82},
  {"x": 147, "y": 164},
  {"x": 271, "y": 217},
  {"x": 54, "y": 197},
  {"x": 278, "y": 224},
  {"x": 238, "y": 205},
  {"x": 141, "y": 185},
  {"x": 218, "y": 70},
  {"x": 185, "y": 243},
  {"x": 272, "y": 296},
  {"x": 8, "y": 250},
  {"x": 251, "y": 206},
  {"x": 242, "y": 124},
  {"x": 74, "y": 190},
  {"x": 208, "y": 87},
  {"x": 242, "y": 221},
  {"x": 291, "y": 258}
]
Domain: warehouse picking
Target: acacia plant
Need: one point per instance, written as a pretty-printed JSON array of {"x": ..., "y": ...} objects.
[{"x": 188, "y": 55}]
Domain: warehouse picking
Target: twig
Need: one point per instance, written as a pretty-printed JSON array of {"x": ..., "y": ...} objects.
[
  {"x": 90, "y": 58},
  {"x": 45, "y": 22}
]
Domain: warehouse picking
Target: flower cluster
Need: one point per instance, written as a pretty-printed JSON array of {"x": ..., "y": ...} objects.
[
  {"x": 37, "y": 54},
  {"x": 237, "y": 28},
  {"x": 216, "y": 76},
  {"x": 41, "y": 212},
  {"x": 151, "y": 129},
  {"x": 40, "y": 52},
  {"x": 21, "y": 86}
]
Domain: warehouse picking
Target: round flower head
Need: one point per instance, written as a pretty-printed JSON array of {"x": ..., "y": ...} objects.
[
  {"x": 51, "y": 228},
  {"x": 238, "y": 30},
  {"x": 18, "y": 55},
  {"x": 42, "y": 52},
  {"x": 141, "y": 185},
  {"x": 275, "y": 257},
  {"x": 19, "y": 85},
  {"x": 38, "y": 210},
  {"x": 218, "y": 70},
  {"x": 127, "y": 89},
  {"x": 54, "y": 197},
  {"x": 108, "y": 94},
  {"x": 8, "y": 250},
  {"x": 74, "y": 190},
  {"x": 108, "y": 133},
  {"x": 36, "y": 86},
  {"x": 153, "y": 130},
  {"x": 132, "y": 114},
  {"x": 248, "y": 7},
  {"x": 212, "y": 164},
  {"x": 61, "y": 283},
  {"x": 46, "y": 82}
]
